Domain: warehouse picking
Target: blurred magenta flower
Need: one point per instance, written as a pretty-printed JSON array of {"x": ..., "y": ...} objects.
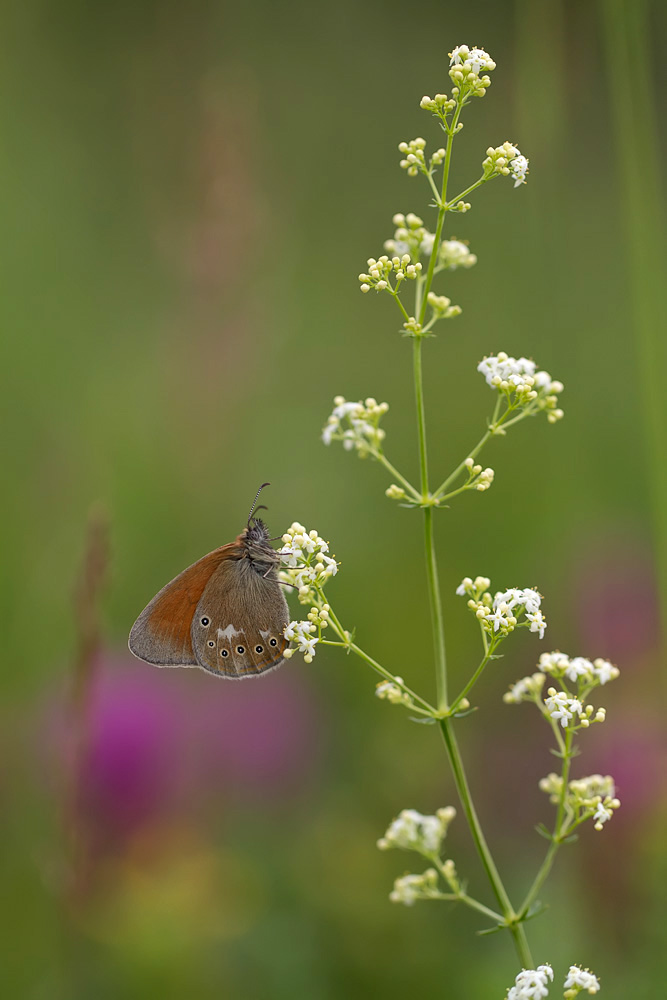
[
  {"x": 634, "y": 751},
  {"x": 615, "y": 600},
  {"x": 164, "y": 743}
]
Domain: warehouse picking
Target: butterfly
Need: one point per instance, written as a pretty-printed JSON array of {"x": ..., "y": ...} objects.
[{"x": 226, "y": 613}]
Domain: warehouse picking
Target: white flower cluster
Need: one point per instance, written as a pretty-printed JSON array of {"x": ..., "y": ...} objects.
[
  {"x": 357, "y": 425},
  {"x": 412, "y": 831},
  {"x": 593, "y": 797},
  {"x": 518, "y": 377},
  {"x": 454, "y": 253},
  {"x": 473, "y": 589},
  {"x": 500, "y": 615},
  {"x": 441, "y": 105},
  {"x": 300, "y": 633},
  {"x": 442, "y": 306},
  {"x": 393, "y": 692},
  {"x": 410, "y": 237},
  {"x": 564, "y": 709},
  {"x": 305, "y": 563},
  {"x": 414, "y": 158},
  {"x": 412, "y": 327},
  {"x": 478, "y": 478},
  {"x": 465, "y": 65},
  {"x": 579, "y": 979},
  {"x": 505, "y": 161},
  {"x": 519, "y": 169},
  {"x": 395, "y": 492},
  {"x": 532, "y": 984},
  {"x": 527, "y": 689},
  {"x": 409, "y": 888},
  {"x": 578, "y": 669},
  {"x": 380, "y": 272}
]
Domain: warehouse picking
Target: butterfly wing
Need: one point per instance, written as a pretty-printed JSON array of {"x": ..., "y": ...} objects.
[
  {"x": 237, "y": 628},
  {"x": 161, "y": 634}
]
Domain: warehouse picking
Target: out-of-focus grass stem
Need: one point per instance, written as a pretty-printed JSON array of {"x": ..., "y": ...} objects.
[{"x": 627, "y": 36}]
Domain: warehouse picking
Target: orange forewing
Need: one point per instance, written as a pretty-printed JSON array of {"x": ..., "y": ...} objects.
[{"x": 161, "y": 633}]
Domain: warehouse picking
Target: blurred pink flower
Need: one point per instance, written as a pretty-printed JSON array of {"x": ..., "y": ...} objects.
[
  {"x": 615, "y": 600},
  {"x": 633, "y": 749},
  {"x": 171, "y": 742}
]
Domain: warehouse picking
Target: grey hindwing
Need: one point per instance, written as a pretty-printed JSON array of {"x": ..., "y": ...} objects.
[{"x": 237, "y": 629}]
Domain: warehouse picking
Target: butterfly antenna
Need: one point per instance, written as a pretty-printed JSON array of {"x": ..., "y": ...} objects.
[{"x": 254, "y": 503}]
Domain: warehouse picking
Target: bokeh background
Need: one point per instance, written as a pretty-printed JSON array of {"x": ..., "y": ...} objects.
[{"x": 189, "y": 191}]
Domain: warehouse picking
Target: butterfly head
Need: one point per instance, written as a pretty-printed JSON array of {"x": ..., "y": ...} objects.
[{"x": 255, "y": 540}]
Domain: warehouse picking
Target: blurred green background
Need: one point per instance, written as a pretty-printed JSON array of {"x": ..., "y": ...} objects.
[{"x": 189, "y": 191}]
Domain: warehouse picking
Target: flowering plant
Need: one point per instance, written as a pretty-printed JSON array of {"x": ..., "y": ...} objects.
[{"x": 415, "y": 258}]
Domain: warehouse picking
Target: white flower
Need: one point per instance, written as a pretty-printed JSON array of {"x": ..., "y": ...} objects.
[
  {"x": 554, "y": 662},
  {"x": 552, "y": 785},
  {"x": 537, "y": 621},
  {"x": 427, "y": 242},
  {"x": 501, "y": 368},
  {"x": 528, "y": 599},
  {"x": 560, "y": 707},
  {"x": 306, "y": 565},
  {"x": 502, "y": 612},
  {"x": 411, "y": 241},
  {"x": 454, "y": 253},
  {"x": 479, "y": 60},
  {"x": 602, "y": 815},
  {"x": 519, "y": 169},
  {"x": 409, "y": 888},
  {"x": 518, "y": 377},
  {"x": 525, "y": 689},
  {"x": 593, "y": 797},
  {"x": 580, "y": 979},
  {"x": 594, "y": 786},
  {"x": 299, "y": 632},
  {"x": 504, "y": 161},
  {"x": 412, "y": 831},
  {"x": 473, "y": 588},
  {"x": 499, "y": 619},
  {"x": 356, "y": 425},
  {"x": 532, "y": 984},
  {"x": 474, "y": 59},
  {"x": 579, "y": 667},
  {"x": 605, "y": 671},
  {"x": 393, "y": 692}
]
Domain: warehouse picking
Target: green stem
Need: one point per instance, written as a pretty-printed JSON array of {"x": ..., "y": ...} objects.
[
  {"x": 434, "y": 188},
  {"x": 457, "y": 198},
  {"x": 437, "y": 620},
  {"x": 399, "y": 303},
  {"x": 379, "y": 457},
  {"x": 473, "y": 680},
  {"x": 358, "y": 651},
  {"x": 464, "y": 897},
  {"x": 528, "y": 412},
  {"x": 442, "y": 211},
  {"x": 475, "y": 451},
  {"x": 421, "y": 415},
  {"x": 557, "y": 835},
  {"x": 454, "y": 493},
  {"x": 516, "y": 929}
]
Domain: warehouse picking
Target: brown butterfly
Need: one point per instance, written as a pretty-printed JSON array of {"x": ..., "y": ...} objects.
[{"x": 226, "y": 613}]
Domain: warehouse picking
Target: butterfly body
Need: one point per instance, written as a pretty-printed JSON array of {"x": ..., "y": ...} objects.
[{"x": 226, "y": 613}]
